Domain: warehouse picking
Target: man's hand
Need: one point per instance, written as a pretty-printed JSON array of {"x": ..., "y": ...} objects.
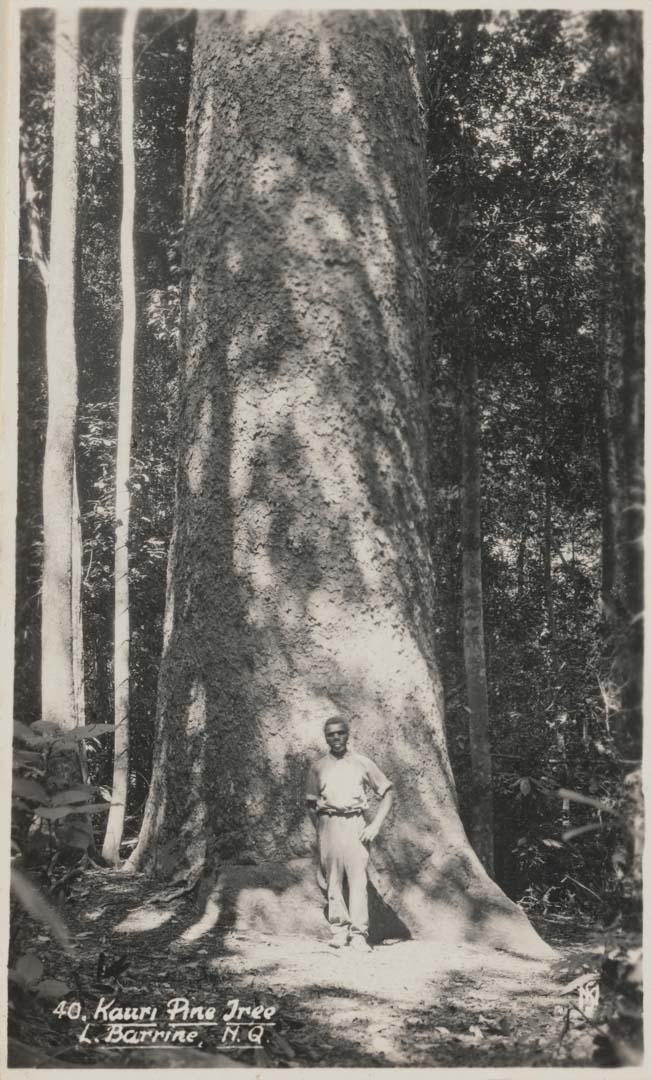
[{"x": 369, "y": 833}]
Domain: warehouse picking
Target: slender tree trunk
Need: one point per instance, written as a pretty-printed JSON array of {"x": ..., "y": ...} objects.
[
  {"x": 31, "y": 418},
  {"x": 482, "y": 836},
  {"x": 608, "y": 470},
  {"x": 33, "y": 222},
  {"x": 632, "y": 511},
  {"x": 10, "y": 392},
  {"x": 543, "y": 381},
  {"x": 78, "y": 646},
  {"x": 547, "y": 517},
  {"x": 632, "y": 426},
  {"x": 115, "y": 824},
  {"x": 61, "y": 635},
  {"x": 57, "y": 668},
  {"x": 300, "y": 581},
  {"x": 520, "y": 566},
  {"x": 77, "y": 621}
]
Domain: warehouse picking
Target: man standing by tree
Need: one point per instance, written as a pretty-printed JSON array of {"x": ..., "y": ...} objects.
[{"x": 336, "y": 794}]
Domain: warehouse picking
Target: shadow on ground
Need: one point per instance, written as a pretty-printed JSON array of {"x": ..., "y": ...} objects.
[{"x": 409, "y": 1003}]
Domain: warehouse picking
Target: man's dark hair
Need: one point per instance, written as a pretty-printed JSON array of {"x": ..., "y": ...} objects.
[{"x": 337, "y": 720}]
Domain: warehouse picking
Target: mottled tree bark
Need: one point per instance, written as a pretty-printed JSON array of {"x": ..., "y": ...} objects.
[{"x": 300, "y": 576}]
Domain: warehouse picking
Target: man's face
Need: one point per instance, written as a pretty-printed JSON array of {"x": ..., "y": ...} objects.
[{"x": 337, "y": 736}]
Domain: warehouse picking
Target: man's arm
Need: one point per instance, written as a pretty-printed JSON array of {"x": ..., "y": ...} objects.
[
  {"x": 312, "y": 794},
  {"x": 370, "y": 831},
  {"x": 312, "y": 812}
]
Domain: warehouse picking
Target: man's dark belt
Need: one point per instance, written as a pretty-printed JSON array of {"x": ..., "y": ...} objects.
[{"x": 340, "y": 813}]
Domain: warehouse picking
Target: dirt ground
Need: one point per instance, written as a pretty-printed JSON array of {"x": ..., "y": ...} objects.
[{"x": 410, "y": 1003}]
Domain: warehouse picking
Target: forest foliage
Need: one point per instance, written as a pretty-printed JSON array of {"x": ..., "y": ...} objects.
[{"x": 535, "y": 199}]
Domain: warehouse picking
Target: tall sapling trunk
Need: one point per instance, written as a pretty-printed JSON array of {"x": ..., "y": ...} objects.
[{"x": 115, "y": 824}]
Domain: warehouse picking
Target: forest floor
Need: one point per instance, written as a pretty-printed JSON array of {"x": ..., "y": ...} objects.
[{"x": 403, "y": 1004}]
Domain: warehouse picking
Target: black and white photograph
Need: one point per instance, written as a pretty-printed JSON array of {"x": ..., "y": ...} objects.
[{"x": 322, "y": 561}]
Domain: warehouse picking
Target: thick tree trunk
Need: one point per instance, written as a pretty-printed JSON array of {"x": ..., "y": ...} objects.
[
  {"x": 57, "y": 666},
  {"x": 121, "y": 673},
  {"x": 475, "y": 664},
  {"x": 300, "y": 578}
]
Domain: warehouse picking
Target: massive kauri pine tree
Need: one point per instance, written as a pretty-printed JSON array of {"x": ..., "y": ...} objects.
[{"x": 299, "y": 580}]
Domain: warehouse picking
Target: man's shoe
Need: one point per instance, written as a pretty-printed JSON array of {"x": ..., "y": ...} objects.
[
  {"x": 359, "y": 943},
  {"x": 339, "y": 940}
]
